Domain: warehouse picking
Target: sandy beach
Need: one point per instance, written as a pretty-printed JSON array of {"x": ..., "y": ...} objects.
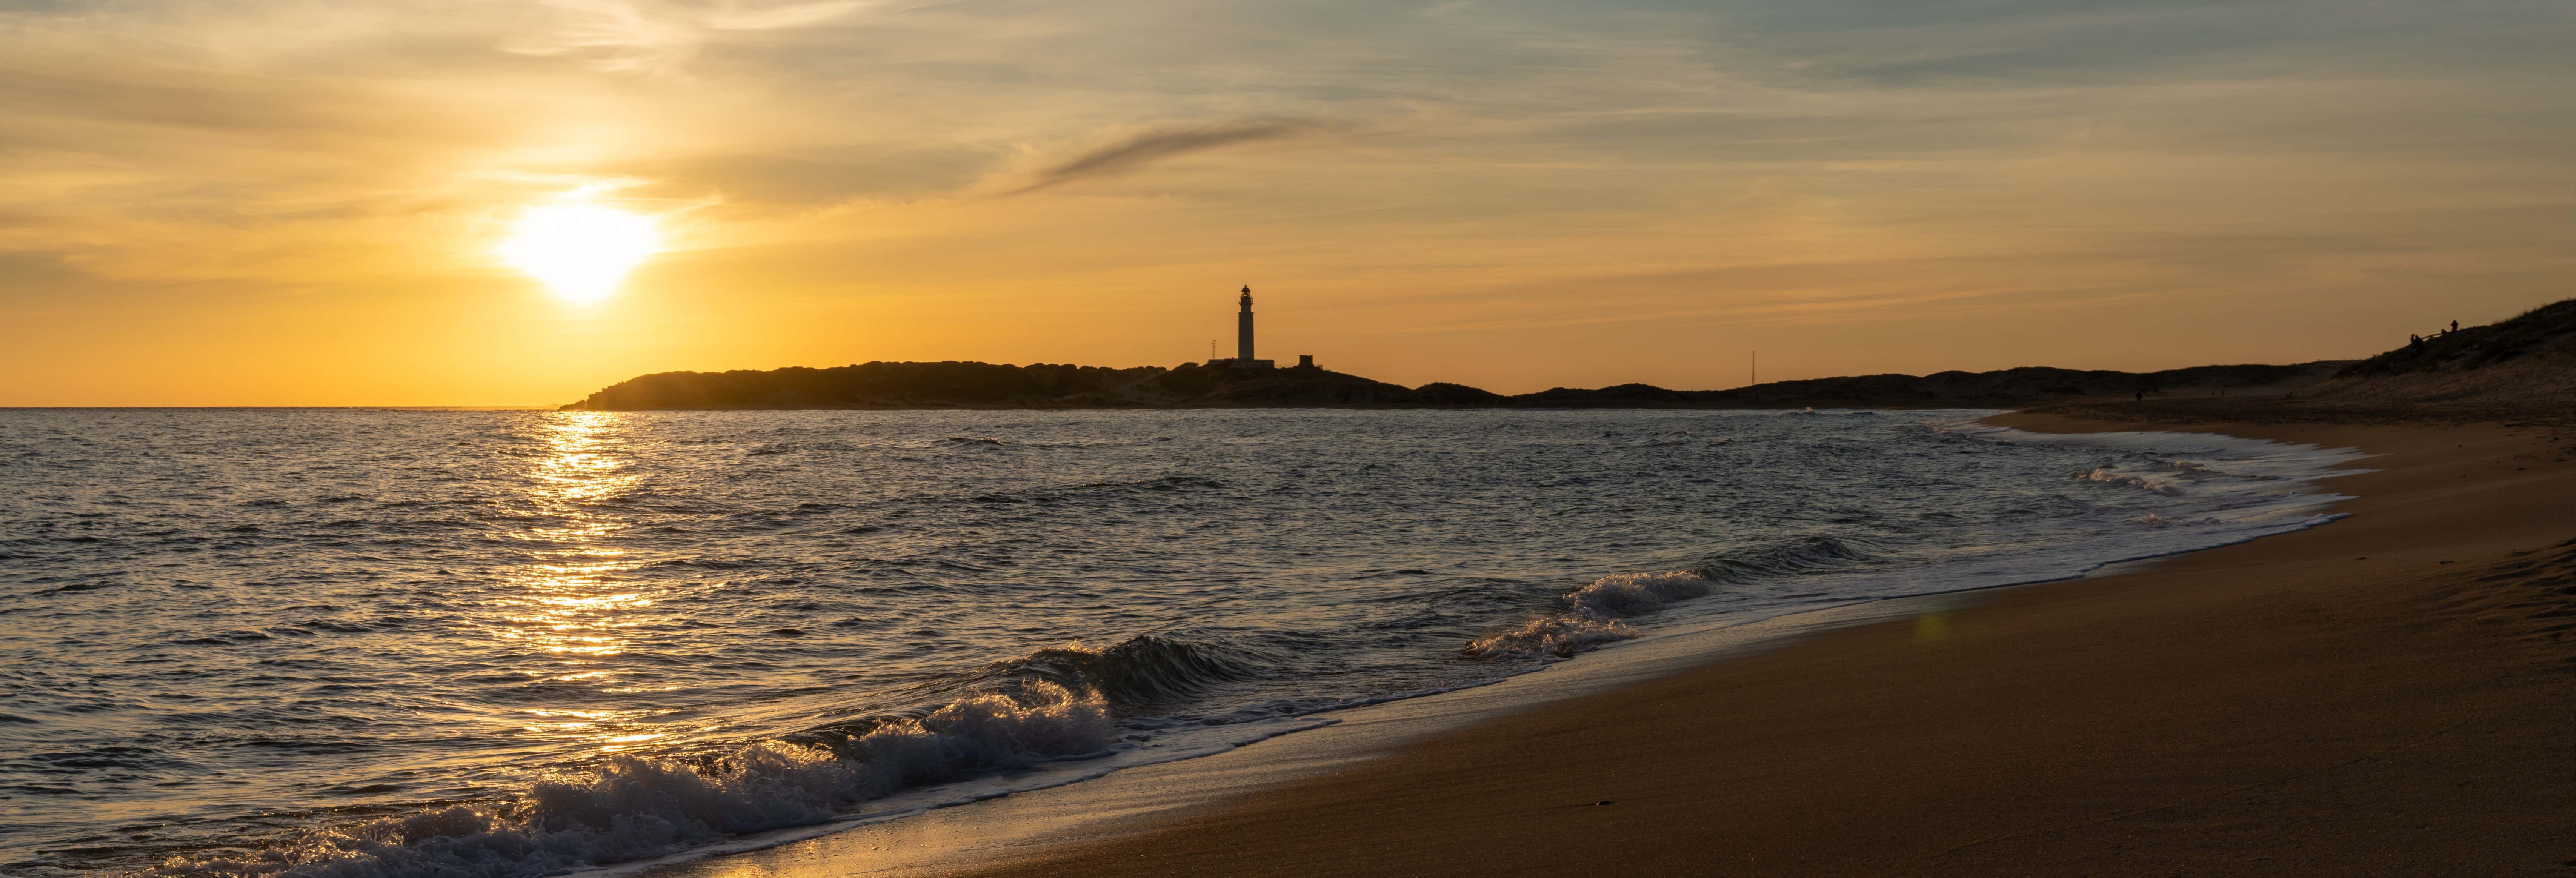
[{"x": 2384, "y": 695}]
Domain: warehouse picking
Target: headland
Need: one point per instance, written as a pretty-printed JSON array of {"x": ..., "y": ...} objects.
[
  {"x": 955, "y": 384},
  {"x": 2483, "y": 363}
]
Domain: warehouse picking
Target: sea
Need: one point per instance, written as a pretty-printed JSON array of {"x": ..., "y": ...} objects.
[{"x": 384, "y": 642}]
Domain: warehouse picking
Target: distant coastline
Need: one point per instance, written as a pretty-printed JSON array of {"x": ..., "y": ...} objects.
[
  {"x": 955, "y": 384},
  {"x": 2518, "y": 369}
]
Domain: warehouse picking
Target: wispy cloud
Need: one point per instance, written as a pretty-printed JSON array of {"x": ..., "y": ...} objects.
[
  {"x": 775, "y": 17},
  {"x": 627, "y": 35},
  {"x": 1160, "y": 143}
]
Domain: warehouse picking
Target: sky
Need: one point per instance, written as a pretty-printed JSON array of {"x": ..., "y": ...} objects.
[{"x": 297, "y": 202}]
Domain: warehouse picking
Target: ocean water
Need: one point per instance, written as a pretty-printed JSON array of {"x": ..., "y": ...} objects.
[{"x": 387, "y": 642}]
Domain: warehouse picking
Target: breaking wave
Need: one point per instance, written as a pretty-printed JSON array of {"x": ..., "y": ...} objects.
[
  {"x": 2143, "y": 483},
  {"x": 629, "y": 808},
  {"x": 1139, "y": 671},
  {"x": 1803, "y": 555},
  {"x": 1595, "y": 614},
  {"x": 1055, "y": 703},
  {"x": 1592, "y": 616}
]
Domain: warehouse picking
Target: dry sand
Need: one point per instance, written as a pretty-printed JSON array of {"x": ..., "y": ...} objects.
[{"x": 2387, "y": 695}]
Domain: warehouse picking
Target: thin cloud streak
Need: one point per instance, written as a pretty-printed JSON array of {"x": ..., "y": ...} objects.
[
  {"x": 643, "y": 37},
  {"x": 1154, "y": 145}
]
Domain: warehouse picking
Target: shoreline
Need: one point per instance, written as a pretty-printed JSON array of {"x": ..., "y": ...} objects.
[{"x": 1483, "y": 797}]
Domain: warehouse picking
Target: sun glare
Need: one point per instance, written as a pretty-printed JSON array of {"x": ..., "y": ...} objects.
[{"x": 580, "y": 251}]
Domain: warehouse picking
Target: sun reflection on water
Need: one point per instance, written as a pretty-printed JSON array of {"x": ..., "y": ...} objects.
[{"x": 574, "y": 602}]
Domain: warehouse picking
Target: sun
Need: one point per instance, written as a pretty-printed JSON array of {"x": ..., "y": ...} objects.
[{"x": 581, "y": 251}]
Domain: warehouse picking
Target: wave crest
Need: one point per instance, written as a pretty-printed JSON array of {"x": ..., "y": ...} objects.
[
  {"x": 1790, "y": 557},
  {"x": 628, "y": 808},
  {"x": 1142, "y": 670},
  {"x": 2143, "y": 483},
  {"x": 1592, "y": 616}
]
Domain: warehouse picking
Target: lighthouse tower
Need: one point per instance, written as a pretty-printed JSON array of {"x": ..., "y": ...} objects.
[
  {"x": 1242, "y": 341},
  {"x": 1243, "y": 328}
]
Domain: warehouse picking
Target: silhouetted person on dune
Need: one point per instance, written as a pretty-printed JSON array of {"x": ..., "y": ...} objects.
[{"x": 2415, "y": 342}]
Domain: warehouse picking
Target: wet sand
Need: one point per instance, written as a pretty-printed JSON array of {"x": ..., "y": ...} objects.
[{"x": 2388, "y": 694}]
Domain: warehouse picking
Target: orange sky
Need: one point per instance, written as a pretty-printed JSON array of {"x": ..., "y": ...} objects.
[{"x": 299, "y": 203}]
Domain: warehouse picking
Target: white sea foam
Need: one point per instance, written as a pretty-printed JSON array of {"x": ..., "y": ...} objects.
[
  {"x": 630, "y": 808},
  {"x": 1630, "y": 594},
  {"x": 1591, "y": 616},
  {"x": 2143, "y": 483}
]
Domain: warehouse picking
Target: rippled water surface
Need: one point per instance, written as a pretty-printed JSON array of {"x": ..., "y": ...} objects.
[{"x": 514, "y": 643}]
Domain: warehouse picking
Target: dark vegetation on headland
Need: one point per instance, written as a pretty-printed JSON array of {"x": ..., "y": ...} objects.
[
  {"x": 988, "y": 385},
  {"x": 2509, "y": 353}
]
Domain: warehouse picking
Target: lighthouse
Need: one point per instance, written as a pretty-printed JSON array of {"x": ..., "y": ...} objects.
[
  {"x": 1243, "y": 358},
  {"x": 1243, "y": 328}
]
